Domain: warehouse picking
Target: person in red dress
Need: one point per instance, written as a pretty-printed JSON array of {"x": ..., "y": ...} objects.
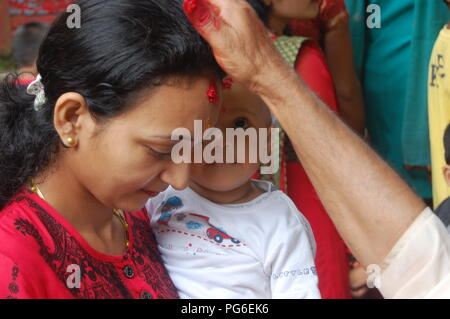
[
  {"x": 41, "y": 248},
  {"x": 330, "y": 29},
  {"x": 89, "y": 142},
  {"x": 309, "y": 62}
]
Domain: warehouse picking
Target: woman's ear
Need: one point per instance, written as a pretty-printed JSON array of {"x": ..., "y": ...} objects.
[{"x": 70, "y": 111}]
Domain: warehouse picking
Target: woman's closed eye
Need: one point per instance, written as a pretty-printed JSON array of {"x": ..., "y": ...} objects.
[{"x": 157, "y": 154}]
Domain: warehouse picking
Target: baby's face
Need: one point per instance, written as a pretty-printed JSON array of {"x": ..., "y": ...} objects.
[{"x": 241, "y": 109}]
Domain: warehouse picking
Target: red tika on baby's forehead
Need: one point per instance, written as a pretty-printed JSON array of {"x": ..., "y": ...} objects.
[
  {"x": 212, "y": 93},
  {"x": 227, "y": 83}
]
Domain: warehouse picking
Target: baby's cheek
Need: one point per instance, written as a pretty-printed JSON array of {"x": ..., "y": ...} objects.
[
  {"x": 198, "y": 170},
  {"x": 249, "y": 169}
]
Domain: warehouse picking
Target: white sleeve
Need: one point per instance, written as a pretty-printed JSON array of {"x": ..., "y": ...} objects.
[
  {"x": 291, "y": 254},
  {"x": 419, "y": 264}
]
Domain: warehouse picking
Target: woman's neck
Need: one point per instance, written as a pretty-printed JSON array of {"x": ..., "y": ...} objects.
[
  {"x": 278, "y": 24},
  {"x": 239, "y": 195},
  {"x": 95, "y": 222}
]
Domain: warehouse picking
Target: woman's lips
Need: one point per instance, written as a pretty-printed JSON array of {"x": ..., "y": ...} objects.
[{"x": 150, "y": 193}]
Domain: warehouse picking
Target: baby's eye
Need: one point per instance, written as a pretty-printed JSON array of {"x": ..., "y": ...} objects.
[{"x": 241, "y": 122}]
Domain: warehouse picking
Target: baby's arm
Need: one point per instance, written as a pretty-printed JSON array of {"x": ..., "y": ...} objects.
[{"x": 291, "y": 253}]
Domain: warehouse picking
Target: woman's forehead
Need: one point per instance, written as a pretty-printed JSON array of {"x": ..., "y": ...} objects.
[{"x": 172, "y": 106}]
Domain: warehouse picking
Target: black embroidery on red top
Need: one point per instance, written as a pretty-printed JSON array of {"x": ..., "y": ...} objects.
[
  {"x": 154, "y": 273},
  {"x": 13, "y": 287},
  {"x": 99, "y": 279}
]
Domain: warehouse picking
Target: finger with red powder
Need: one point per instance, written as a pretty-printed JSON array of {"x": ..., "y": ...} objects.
[{"x": 201, "y": 13}]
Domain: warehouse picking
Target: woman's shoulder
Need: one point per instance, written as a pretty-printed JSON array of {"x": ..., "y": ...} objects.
[
  {"x": 23, "y": 239},
  {"x": 19, "y": 222}
]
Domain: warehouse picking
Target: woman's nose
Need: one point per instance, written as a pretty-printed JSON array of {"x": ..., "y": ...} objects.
[{"x": 177, "y": 175}]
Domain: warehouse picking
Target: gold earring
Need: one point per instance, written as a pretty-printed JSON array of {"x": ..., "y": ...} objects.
[{"x": 71, "y": 141}]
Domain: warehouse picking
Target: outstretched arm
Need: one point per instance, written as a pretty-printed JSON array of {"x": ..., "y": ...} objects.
[{"x": 368, "y": 202}]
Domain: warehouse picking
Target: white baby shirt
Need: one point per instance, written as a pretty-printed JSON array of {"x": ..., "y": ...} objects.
[{"x": 261, "y": 249}]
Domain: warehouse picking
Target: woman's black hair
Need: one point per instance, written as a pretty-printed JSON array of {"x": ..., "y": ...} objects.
[{"x": 121, "y": 47}]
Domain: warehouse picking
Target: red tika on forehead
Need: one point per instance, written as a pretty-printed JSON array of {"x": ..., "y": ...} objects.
[
  {"x": 227, "y": 83},
  {"x": 212, "y": 94}
]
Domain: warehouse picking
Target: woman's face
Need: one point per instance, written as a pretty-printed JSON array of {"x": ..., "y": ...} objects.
[
  {"x": 295, "y": 9},
  {"x": 128, "y": 160}
]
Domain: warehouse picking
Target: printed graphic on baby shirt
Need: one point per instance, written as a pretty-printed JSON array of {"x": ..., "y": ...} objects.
[
  {"x": 168, "y": 207},
  {"x": 192, "y": 225},
  {"x": 304, "y": 272}
]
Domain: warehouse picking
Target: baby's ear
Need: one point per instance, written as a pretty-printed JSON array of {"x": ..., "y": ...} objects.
[{"x": 446, "y": 172}]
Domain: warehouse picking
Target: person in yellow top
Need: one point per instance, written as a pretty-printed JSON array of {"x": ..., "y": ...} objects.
[{"x": 439, "y": 110}]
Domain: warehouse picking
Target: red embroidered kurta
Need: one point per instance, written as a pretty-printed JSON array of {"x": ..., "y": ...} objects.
[{"x": 38, "y": 247}]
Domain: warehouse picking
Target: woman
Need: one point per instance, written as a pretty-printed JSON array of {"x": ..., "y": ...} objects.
[
  {"x": 306, "y": 57},
  {"x": 80, "y": 160}
]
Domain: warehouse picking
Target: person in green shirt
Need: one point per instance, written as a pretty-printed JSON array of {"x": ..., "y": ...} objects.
[{"x": 392, "y": 60}]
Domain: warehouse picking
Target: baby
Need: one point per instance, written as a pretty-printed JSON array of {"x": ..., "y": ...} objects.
[{"x": 228, "y": 236}]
